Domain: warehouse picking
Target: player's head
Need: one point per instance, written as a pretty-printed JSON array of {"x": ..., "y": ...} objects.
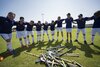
[
  {"x": 68, "y": 15},
  {"x": 11, "y": 16},
  {"x": 21, "y": 19},
  {"x": 59, "y": 18},
  {"x": 97, "y": 14},
  {"x": 80, "y": 16},
  {"x": 39, "y": 22},
  {"x": 31, "y": 22},
  {"x": 52, "y": 21}
]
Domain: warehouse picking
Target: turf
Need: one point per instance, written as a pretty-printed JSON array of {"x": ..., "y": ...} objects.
[{"x": 89, "y": 54}]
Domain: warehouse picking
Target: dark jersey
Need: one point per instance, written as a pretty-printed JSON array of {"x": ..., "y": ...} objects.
[
  {"x": 38, "y": 27},
  {"x": 52, "y": 26},
  {"x": 81, "y": 23},
  {"x": 6, "y": 25},
  {"x": 45, "y": 26},
  {"x": 59, "y": 22},
  {"x": 19, "y": 27},
  {"x": 29, "y": 27},
  {"x": 68, "y": 22},
  {"x": 96, "y": 22}
]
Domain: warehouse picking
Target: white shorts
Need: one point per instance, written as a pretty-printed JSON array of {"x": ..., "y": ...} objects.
[
  {"x": 45, "y": 31},
  {"x": 21, "y": 34},
  {"x": 69, "y": 29},
  {"x": 52, "y": 32},
  {"x": 6, "y": 36},
  {"x": 29, "y": 33},
  {"x": 83, "y": 30},
  {"x": 38, "y": 32},
  {"x": 59, "y": 29},
  {"x": 95, "y": 30}
]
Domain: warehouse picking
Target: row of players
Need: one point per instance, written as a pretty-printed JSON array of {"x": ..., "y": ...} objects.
[{"x": 6, "y": 24}]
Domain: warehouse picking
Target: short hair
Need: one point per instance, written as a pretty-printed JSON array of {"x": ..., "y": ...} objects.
[
  {"x": 80, "y": 15},
  {"x": 97, "y": 14},
  {"x": 39, "y": 21},
  {"x": 10, "y": 13},
  {"x": 68, "y": 14},
  {"x": 21, "y": 17},
  {"x": 32, "y": 21}
]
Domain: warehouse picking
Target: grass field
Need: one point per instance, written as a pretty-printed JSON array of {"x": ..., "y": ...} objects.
[{"x": 89, "y": 54}]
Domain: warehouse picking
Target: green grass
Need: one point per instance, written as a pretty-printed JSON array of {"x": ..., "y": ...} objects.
[{"x": 89, "y": 54}]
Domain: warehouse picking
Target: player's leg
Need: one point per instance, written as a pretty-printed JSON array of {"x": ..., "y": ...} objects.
[
  {"x": 62, "y": 34},
  {"x": 77, "y": 34},
  {"x": 19, "y": 36},
  {"x": 32, "y": 38},
  {"x": 48, "y": 35},
  {"x": 57, "y": 33},
  {"x": 67, "y": 37},
  {"x": 7, "y": 38},
  {"x": 43, "y": 35},
  {"x": 21, "y": 42},
  {"x": 25, "y": 40},
  {"x": 84, "y": 35},
  {"x": 28, "y": 39},
  {"x": 31, "y": 32},
  {"x": 37, "y": 36},
  {"x": 70, "y": 37},
  {"x": 27, "y": 33},
  {"x": 93, "y": 35},
  {"x": 52, "y": 32}
]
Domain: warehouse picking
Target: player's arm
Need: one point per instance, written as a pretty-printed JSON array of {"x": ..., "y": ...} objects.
[
  {"x": 75, "y": 21},
  {"x": 1, "y": 20}
]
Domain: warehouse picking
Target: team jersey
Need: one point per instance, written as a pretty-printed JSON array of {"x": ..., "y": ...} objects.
[
  {"x": 6, "y": 25},
  {"x": 45, "y": 26},
  {"x": 59, "y": 22},
  {"x": 29, "y": 27},
  {"x": 81, "y": 23},
  {"x": 38, "y": 27},
  {"x": 68, "y": 22},
  {"x": 96, "y": 22},
  {"x": 19, "y": 27},
  {"x": 52, "y": 26}
]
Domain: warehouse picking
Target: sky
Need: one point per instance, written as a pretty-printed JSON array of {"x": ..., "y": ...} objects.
[{"x": 47, "y": 10}]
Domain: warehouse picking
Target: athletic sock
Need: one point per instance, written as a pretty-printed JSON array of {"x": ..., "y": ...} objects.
[
  {"x": 25, "y": 41},
  {"x": 32, "y": 39},
  {"x": 28, "y": 41},
  {"x": 76, "y": 36},
  {"x": 52, "y": 37},
  {"x": 48, "y": 37},
  {"x": 84, "y": 38},
  {"x": 21, "y": 43},
  {"x": 92, "y": 39},
  {"x": 9, "y": 46}
]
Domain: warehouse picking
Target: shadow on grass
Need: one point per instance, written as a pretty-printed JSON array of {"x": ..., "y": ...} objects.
[
  {"x": 49, "y": 44},
  {"x": 70, "y": 46},
  {"x": 88, "y": 50},
  {"x": 84, "y": 47}
]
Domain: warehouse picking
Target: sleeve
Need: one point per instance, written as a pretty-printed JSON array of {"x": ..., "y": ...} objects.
[
  {"x": 86, "y": 18},
  {"x": 75, "y": 20},
  {"x": 2, "y": 20},
  {"x": 15, "y": 23},
  {"x": 93, "y": 17},
  {"x": 34, "y": 24}
]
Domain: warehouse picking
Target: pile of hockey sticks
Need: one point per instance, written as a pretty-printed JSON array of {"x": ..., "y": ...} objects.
[{"x": 52, "y": 57}]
